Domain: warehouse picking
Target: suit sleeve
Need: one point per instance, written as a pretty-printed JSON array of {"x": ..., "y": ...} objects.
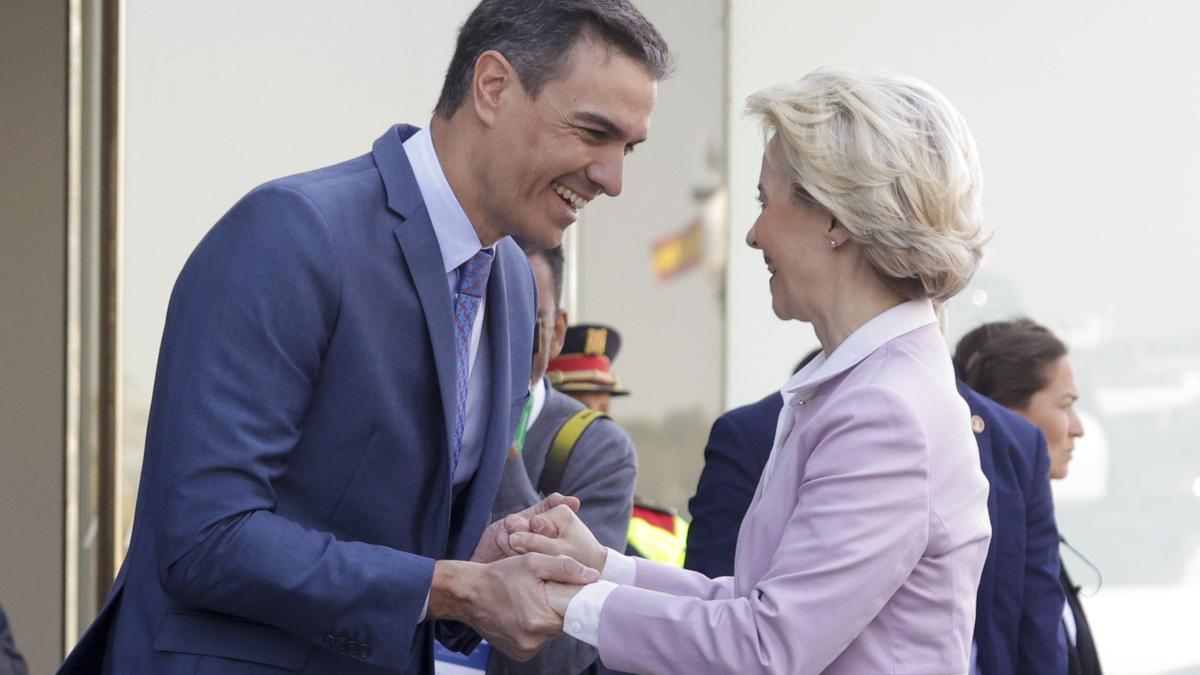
[
  {"x": 859, "y": 527},
  {"x": 1040, "y": 648},
  {"x": 723, "y": 495},
  {"x": 601, "y": 472},
  {"x": 248, "y": 325}
]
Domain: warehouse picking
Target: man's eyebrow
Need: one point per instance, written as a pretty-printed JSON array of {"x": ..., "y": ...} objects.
[{"x": 608, "y": 126}]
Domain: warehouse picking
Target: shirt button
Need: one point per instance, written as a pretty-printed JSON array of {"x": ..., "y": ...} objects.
[{"x": 574, "y": 629}]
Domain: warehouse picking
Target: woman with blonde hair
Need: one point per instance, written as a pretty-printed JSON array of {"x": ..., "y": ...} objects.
[{"x": 863, "y": 547}]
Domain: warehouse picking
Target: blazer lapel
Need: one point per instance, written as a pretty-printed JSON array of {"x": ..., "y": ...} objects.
[
  {"x": 419, "y": 245},
  {"x": 987, "y": 462}
]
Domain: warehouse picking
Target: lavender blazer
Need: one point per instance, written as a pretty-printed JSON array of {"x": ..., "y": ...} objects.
[{"x": 863, "y": 547}]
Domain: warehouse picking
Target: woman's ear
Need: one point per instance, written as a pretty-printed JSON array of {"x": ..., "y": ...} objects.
[{"x": 838, "y": 235}]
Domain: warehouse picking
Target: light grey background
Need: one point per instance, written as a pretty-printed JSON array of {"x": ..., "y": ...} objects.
[{"x": 1085, "y": 115}]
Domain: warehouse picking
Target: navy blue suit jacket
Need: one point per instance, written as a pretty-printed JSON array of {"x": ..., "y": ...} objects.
[
  {"x": 1020, "y": 601},
  {"x": 737, "y": 451},
  {"x": 296, "y": 488}
]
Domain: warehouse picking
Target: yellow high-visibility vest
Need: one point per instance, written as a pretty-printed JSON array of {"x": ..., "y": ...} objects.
[{"x": 653, "y": 541}]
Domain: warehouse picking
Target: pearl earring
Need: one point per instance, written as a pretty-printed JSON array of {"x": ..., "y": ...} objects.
[{"x": 832, "y": 243}]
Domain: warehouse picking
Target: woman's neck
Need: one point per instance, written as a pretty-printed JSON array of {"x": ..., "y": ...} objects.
[{"x": 852, "y": 306}]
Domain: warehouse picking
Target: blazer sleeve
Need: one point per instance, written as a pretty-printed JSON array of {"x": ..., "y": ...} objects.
[
  {"x": 859, "y": 527},
  {"x": 248, "y": 324},
  {"x": 1040, "y": 648},
  {"x": 723, "y": 495},
  {"x": 601, "y": 472}
]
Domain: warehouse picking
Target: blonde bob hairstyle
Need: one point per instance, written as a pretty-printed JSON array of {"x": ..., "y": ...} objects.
[{"x": 893, "y": 162}]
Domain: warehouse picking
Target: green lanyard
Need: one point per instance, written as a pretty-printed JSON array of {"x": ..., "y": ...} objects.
[{"x": 519, "y": 441}]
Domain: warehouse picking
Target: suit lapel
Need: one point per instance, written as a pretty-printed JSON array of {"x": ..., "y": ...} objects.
[
  {"x": 987, "y": 462},
  {"x": 419, "y": 245}
]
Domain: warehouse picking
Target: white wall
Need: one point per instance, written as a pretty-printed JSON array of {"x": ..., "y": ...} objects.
[{"x": 1085, "y": 114}]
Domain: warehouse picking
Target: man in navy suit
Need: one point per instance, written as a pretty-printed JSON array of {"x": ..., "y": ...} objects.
[
  {"x": 1019, "y": 602},
  {"x": 737, "y": 450},
  {"x": 344, "y": 360},
  {"x": 738, "y": 447}
]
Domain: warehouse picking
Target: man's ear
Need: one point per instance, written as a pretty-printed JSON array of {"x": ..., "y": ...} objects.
[
  {"x": 560, "y": 333},
  {"x": 493, "y": 75}
]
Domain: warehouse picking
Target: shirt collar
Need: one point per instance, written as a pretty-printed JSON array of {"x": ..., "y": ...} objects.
[
  {"x": 890, "y": 324},
  {"x": 455, "y": 234},
  {"x": 537, "y": 397}
]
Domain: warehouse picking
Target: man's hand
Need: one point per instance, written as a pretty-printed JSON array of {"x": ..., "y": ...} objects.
[
  {"x": 494, "y": 545},
  {"x": 506, "y": 600},
  {"x": 558, "y": 596},
  {"x": 560, "y": 532}
]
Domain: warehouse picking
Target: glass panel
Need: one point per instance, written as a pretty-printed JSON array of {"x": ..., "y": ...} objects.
[
  {"x": 652, "y": 262},
  {"x": 1084, "y": 115}
]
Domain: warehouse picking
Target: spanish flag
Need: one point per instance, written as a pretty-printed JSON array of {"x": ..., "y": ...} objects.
[{"x": 679, "y": 251}]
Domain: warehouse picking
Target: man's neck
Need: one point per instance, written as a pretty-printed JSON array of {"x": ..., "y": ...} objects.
[{"x": 452, "y": 141}]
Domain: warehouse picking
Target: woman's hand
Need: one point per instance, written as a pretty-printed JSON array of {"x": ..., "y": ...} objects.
[
  {"x": 494, "y": 543},
  {"x": 560, "y": 532}
]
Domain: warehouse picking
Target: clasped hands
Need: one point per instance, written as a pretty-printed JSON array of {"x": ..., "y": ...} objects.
[{"x": 525, "y": 570}]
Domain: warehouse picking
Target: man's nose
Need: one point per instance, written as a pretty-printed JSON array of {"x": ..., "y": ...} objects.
[{"x": 608, "y": 172}]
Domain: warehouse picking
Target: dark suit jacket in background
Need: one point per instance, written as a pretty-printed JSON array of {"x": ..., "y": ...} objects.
[
  {"x": 1082, "y": 658},
  {"x": 11, "y": 661},
  {"x": 601, "y": 472},
  {"x": 296, "y": 489},
  {"x": 737, "y": 451},
  {"x": 1019, "y": 605}
]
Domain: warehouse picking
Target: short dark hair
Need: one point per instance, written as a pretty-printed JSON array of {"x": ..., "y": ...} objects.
[
  {"x": 554, "y": 260},
  {"x": 1008, "y": 361},
  {"x": 536, "y": 37}
]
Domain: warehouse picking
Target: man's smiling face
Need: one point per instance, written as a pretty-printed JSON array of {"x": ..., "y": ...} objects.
[{"x": 559, "y": 151}]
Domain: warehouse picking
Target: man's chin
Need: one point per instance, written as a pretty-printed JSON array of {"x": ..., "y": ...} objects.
[{"x": 548, "y": 237}]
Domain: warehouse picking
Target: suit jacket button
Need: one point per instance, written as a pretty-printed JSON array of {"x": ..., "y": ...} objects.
[
  {"x": 330, "y": 640},
  {"x": 364, "y": 651}
]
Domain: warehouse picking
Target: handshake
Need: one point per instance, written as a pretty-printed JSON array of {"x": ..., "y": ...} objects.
[{"x": 526, "y": 568}]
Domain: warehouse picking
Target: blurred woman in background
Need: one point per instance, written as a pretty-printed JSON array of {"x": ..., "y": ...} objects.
[{"x": 1024, "y": 367}]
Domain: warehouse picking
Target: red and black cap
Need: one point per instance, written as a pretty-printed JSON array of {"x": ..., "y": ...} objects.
[{"x": 586, "y": 360}]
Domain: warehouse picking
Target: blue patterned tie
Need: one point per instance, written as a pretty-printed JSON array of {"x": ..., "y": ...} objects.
[{"x": 468, "y": 294}]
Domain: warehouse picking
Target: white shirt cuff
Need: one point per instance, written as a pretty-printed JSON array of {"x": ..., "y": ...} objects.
[
  {"x": 424, "y": 609},
  {"x": 582, "y": 620},
  {"x": 619, "y": 569}
]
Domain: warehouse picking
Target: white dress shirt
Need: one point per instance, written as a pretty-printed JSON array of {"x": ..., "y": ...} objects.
[
  {"x": 458, "y": 242},
  {"x": 537, "y": 398}
]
